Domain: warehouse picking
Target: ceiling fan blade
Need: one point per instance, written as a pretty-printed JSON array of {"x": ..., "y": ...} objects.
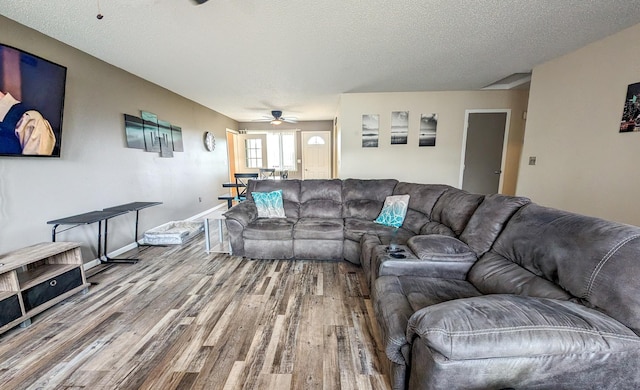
[{"x": 290, "y": 120}]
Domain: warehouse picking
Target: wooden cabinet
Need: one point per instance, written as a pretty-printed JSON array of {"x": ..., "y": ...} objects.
[{"x": 37, "y": 277}]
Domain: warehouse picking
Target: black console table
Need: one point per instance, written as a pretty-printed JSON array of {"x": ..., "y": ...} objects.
[
  {"x": 99, "y": 216},
  {"x": 89, "y": 218},
  {"x": 133, "y": 206}
]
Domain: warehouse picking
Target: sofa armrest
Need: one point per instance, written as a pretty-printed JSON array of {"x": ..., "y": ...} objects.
[
  {"x": 423, "y": 268},
  {"x": 237, "y": 219},
  {"x": 244, "y": 213},
  {"x": 499, "y": 326},
  {"x": 436, "y": 256}
]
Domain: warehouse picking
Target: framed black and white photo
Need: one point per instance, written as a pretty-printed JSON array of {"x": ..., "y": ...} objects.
[
  {"x": 428, "y": 128},
  {"x": 399, "y": 127},
  {"x": 370, "y": 130}
]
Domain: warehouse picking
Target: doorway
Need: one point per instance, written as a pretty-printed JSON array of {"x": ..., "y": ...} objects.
[
  {"x": 231, "y": 153},
  {"x": 484, "y": 150},
  {"x": 316, "y": 155}
]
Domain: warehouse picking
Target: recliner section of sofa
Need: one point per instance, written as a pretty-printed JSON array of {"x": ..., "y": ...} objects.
[
  {"x": 555, "y": 303},
  {"x": 319, "y": 233},
  {"x": 362, "y": 201},
  {"x": 439, "y": 250}
]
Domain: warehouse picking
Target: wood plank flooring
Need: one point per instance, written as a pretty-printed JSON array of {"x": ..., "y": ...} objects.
[{"x": 184, "y": 319}]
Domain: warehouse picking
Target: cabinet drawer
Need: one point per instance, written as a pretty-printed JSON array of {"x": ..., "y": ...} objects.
[
  {"x": 9, "y": 310},
  {"x": 47, "y": 290}
]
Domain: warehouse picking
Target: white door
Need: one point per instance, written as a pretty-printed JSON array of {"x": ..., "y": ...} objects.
[
  {"x": 316, "y": 155},
  {"x": 485, "y": 137}
]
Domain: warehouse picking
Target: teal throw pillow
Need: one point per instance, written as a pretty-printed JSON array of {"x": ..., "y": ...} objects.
[
  {"x": 394, "y": 210},
  {"x": 269, "y": 204}
]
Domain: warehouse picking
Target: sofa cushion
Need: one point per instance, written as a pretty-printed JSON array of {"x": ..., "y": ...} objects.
[
  {"x": 454, "y": 209},
  {"x": 319, "y": 229},
  {"x": 422, "y": 199},
  {"x": 290, "y": 193},
  {"x": 393, "y": 211},
  {"x": 494, "y": 274},
  {"x": 502, "y": 326},
  {"x": 396, "y": 298},
  {"x": 436, "y": 228},
  {"x": 489, "y": 219},
  {"x": 269, "y": 204},
  {"x": 354, "y": 228},
  {"x": 270, "y": 229},
  {"x": 321, "y": 198},
  {"x": 364, "y": 198},
  {"x": 592, "y": 259},
  {"x": 436, "y": 247}
]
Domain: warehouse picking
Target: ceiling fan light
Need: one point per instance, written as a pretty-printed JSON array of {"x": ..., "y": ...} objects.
[{"x": 276, "y": 122}]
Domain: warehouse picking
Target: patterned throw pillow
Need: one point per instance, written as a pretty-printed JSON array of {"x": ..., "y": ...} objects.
[
  {"x": 394, "y": 210},
  {"x": 269, "y": 204}
]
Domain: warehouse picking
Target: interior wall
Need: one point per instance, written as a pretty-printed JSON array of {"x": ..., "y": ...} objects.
[
  {"x": 302, "y": 126},
  {"x": 410, "y": 162},
  {"x": 584, "y": 164},
  {"x": 96, "y": 169}
]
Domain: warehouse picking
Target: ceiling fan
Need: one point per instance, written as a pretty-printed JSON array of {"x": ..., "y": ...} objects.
[
  {"x": 276, "y": 118},
  {"x": 200, "y": 1}
]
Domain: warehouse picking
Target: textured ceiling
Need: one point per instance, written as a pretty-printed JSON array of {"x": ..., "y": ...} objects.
[{"x": 244, "y": 58}]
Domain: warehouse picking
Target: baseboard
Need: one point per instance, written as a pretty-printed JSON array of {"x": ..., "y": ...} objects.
[
  {"x": 91, "y": 264},
  {"x": 211, "y": 210},
  {"x": 133, "y": 245},
  {"x": 114, "y": 254}
]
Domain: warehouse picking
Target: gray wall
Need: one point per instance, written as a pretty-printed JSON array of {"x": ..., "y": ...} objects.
[{"x": 96, "y": 169}]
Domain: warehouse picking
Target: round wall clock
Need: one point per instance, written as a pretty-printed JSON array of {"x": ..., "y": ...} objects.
[{"x": 209, "y": 141}]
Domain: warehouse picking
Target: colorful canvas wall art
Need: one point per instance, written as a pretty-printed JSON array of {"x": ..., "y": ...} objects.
[
  {"x": 152, "y": 134},
  {"x": 630, "y": 121}
]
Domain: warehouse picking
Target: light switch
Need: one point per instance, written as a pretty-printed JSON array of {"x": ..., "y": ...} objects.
[{"x": 532, "y": 160}]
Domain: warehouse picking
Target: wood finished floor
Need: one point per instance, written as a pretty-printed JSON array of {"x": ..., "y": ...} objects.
[{"x": 183, "y": 319}]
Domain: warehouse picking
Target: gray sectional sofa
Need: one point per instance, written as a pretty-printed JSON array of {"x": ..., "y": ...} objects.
[{"x": 472, "y": 291}]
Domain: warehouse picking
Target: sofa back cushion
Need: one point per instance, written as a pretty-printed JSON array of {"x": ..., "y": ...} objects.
[
  {"x": 495, "y": 274},
  {"x": 321, "y": 198},
  {"x": 422, "y": 199},
  {"x": 454, "y": 209},
  {"x": 595, "y": 260},
  {"x": 433, "y": 227},
  {"x": 489, "y": 219},
  {"x": 363, "y": 199},
  {"x": 290, "y": 193}
]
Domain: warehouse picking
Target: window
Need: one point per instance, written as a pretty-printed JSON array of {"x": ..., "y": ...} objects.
[
  {"x": 253, "y": 147},
  {"x": 281, "y": 150},
  {"x": 315, "y": 140}
]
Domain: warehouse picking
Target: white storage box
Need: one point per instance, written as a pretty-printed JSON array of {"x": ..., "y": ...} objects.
[{"x": 173, "y": 233}]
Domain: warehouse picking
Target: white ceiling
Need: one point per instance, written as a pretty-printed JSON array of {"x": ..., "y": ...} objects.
[{"x": 244, "y": 58}]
